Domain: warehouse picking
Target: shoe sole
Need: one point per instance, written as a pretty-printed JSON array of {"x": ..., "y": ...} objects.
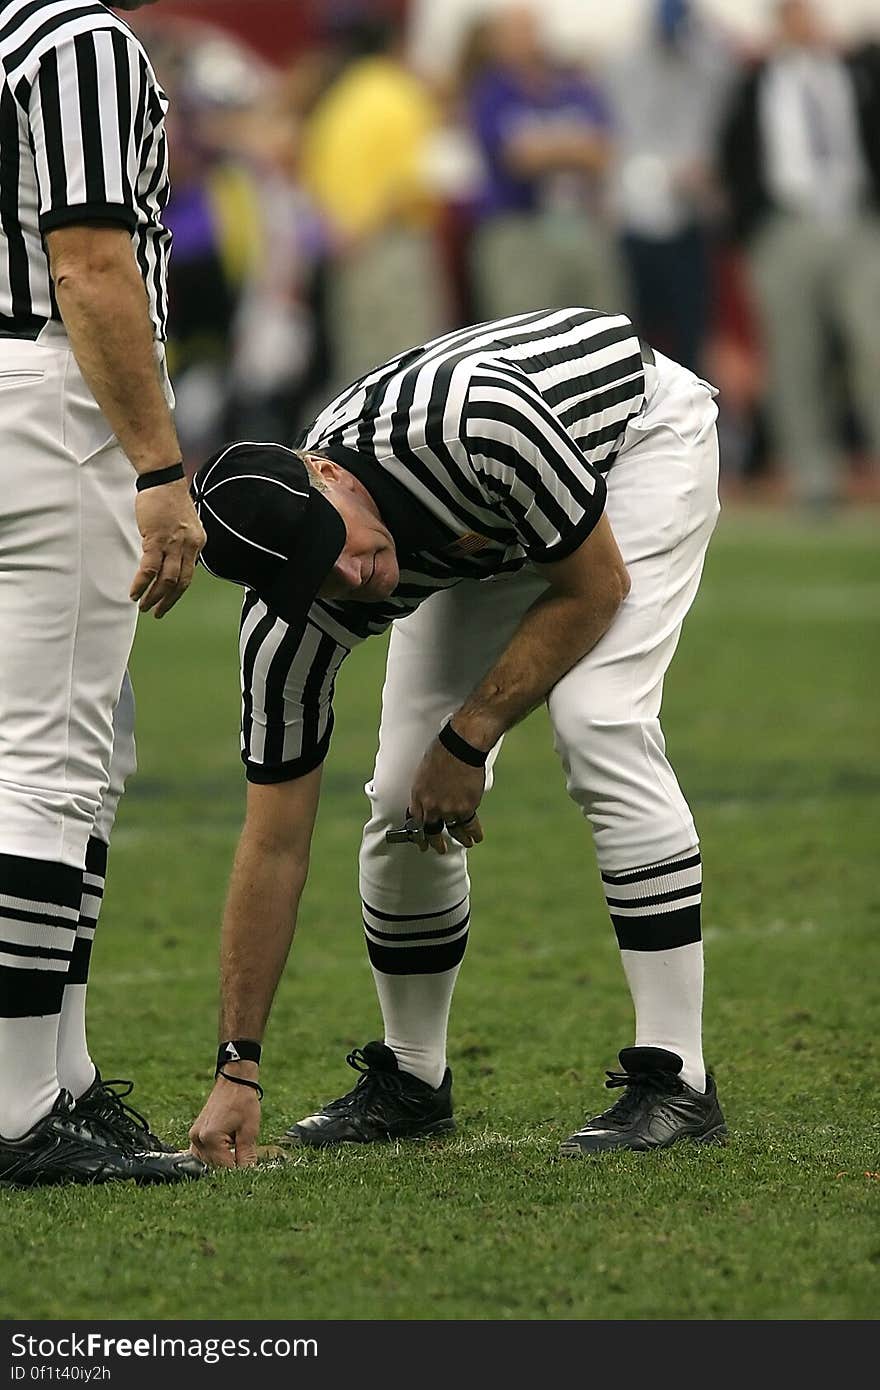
[
  {"x": 68, "y": 1180},
  {"x": 717, "y": 1137},
  {"x": 295, "y": 1141}
]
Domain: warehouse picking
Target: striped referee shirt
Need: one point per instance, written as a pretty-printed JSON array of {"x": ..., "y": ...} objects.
[
  {"x": 82, "y": 139},
  {"x": 484, "y": 451}
]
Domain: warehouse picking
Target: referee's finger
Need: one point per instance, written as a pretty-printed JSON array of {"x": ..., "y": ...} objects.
[
  {"x": 166, "y": 581},
  {"x": 432, "y": 831},
  {"x": 191, "y": 547},
  {"x": 150, "y": 565},
  {"x": 187, "y": 569},
  {"x": 245, "y": 1151},
  {"x": 216, "y": 1149},
  {"x": 470, "y": 833},
  {"x": 188, "y": 564}
]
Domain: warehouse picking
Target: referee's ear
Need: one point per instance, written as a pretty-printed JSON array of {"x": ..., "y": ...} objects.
[{"x": 324, "y": 471}]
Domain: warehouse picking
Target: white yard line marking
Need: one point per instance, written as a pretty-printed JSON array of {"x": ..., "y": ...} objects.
[
  {"x": 130, "y": 837},
  {"x": 726, "y": 936},
  {"x": 731, "y": 936},
  {"x": 125, "y": 979},
  {"x": 795, "y": 602}
]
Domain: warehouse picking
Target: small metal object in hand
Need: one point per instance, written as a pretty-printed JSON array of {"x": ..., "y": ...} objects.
[{"x": 408, "y": 834}]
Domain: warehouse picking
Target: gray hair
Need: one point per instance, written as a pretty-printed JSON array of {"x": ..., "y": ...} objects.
[{"x": 307, "y": 456}]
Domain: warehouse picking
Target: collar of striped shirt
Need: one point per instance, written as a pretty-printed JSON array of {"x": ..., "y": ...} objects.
[{"x": 409, "y": 521}]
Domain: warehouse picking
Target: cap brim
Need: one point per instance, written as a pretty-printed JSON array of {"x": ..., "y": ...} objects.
[{"x": 319, "y": 544}]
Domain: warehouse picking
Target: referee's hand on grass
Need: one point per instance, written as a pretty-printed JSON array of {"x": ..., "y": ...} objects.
[
  {"x": 172, "y": 538},
  {"x": 225, "y": 1133}
]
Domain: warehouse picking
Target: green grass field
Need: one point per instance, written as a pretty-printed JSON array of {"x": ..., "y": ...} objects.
[{"x": 773, "y": 722}]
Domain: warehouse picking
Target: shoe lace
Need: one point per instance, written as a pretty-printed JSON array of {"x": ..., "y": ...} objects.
[
  {"x": 373, "y": 1083},
  {"x": 113, "y": 1111},
  {"x": 99, "y": 1126},
  {"x": 639, "y": 1087}
]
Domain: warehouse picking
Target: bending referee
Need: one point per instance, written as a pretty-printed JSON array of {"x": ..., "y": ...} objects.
[
  {"x": 88, "y": 457},
  {"x": 560, "y": 458}
]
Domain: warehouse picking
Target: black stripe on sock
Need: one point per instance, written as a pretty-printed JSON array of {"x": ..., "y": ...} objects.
[
  {"x": 417, "y": 960},
  {"x": 40, "y": 919},
  {"x": 40, "y": 881},
  {"x": 96, "y": 858},
  {"x": 669, "y": 866},
  {"x": 30, "y": 993},
  {"x": 661, "y": 931},
  {"x": 14, "y": 948},
  {"x": 417, "y": 935},
  {"x": 80, "y": 959}
]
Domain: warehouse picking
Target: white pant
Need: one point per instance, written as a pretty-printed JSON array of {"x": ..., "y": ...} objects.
[
  {"x": 69, "y": 549},
  {"x": 662, "y": 506}
]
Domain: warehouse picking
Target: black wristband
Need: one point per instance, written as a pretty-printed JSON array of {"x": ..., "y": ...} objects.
[
  {"x": 460, "y": 748},
  {"x": 238, "y": 1050},
  {"x": 160, "y": 476},
  {"x": 243, "y": 1081}
]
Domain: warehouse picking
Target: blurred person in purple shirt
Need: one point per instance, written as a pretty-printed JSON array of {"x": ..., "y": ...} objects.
[{"x": 544, "y": 135}]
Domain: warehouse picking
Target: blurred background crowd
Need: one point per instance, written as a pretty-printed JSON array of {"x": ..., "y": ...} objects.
[{"x": 352, "y": 177}]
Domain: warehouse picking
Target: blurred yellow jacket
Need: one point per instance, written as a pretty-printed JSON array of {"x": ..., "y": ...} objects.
[{"x": 363, "y": 148}]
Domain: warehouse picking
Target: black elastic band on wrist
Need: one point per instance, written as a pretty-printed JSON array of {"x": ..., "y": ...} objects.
[
  {"x": 243, "y": 1081},
  {"x": 460, "y": 748},
  {"x": 160, "y": 476},
  {"x": 238, "y": 1050}
]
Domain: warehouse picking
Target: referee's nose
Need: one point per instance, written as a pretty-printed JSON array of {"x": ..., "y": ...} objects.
[{"x": 347, "y": 574}]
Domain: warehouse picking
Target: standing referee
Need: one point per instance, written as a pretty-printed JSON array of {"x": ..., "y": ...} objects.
[{"x": 88, "y": 458}]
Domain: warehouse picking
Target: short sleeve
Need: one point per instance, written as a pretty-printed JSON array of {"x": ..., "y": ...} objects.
[
  {"x": 287, "y": 681},
  {"x": 534, "y": 472},
  {"x": 86, "y": 110}
]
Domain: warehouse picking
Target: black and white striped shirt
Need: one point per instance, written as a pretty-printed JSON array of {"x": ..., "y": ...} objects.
[
  {"x": 484, "y": 450},
  {"x": 82, "y": 139}
]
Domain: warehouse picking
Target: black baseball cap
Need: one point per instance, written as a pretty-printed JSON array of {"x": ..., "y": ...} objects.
[{"x": 268, "y": 528}]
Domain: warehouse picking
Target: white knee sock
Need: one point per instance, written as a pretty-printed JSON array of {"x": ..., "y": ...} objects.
[
  {"x": 656, "y": 914},
  {"x": 667, "y": 994},
  {"x": 39, "y": 907},
  {"x": 415, "y": 963},
  {"x": 415, "y": 1011}
]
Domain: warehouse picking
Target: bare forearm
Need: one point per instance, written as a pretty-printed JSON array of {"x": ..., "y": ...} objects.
[
  {"x": 106, "y": 316},
  {"x": 541, "y": 152},
  {"x": 258, "y": 927},
  {"x": 555, "y": 633}
]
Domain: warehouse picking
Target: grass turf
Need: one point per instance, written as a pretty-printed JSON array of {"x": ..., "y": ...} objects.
[{"x": 772, "y": 721}]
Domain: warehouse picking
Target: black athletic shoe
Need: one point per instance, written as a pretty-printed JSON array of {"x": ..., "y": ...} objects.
[
  {"x": 656, "y": 1109},
  {"x": 66, "y": 1147},
  {"x": 102, "y": 1102},
  {"x": 386, "y": 1103}
]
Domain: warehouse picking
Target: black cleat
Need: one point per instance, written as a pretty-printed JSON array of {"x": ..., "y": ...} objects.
[
  {"x": 66, "y": 1147},
  {"x": 656, "y": 1109},
  {"x": 386, "y": 1103},
  {"x": 102, "y": 1102}
]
